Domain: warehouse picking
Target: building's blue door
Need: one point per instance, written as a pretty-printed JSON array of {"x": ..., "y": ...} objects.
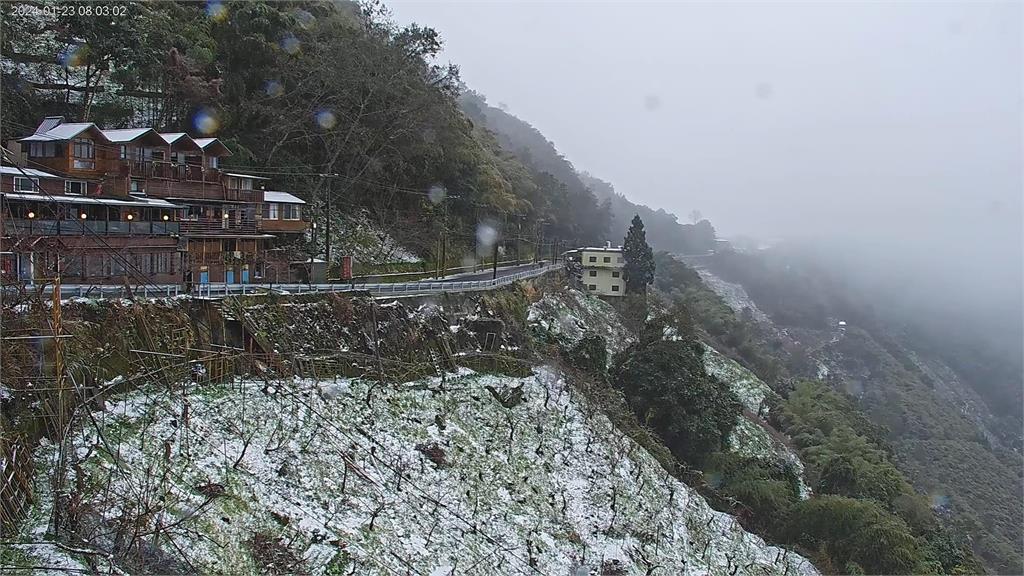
[
  {"x": 204, "y": 277},
  {"x": 229, "y": 276},
  {"x": 245, "y": 275}
]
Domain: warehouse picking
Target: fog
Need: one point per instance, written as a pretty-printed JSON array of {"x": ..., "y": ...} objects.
[{"x": 889, "y": 133}]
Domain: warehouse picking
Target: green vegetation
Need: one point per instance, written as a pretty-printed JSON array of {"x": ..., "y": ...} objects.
[
  {"x": 867, "y": 512},
  {"x": 589, "y": 354},
  {"x": 736, "y": 336},
  {"x": 666, "y": 386},
  {"x": 767, "y": 490},
  {"x": 639, "y": 269},
  {"x": 866, "y": 517},
  {"x": 853, "y": 537}
]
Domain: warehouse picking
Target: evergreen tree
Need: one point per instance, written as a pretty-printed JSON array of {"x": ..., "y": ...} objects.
[{"x": 639, "y": 270}]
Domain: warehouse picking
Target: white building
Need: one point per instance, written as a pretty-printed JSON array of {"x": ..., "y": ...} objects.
[{"x": 602, "y": 270}]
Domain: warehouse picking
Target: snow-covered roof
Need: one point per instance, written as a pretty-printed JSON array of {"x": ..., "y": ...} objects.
[
  {"x": 127, "y": 134},
  {"x": 138, "y": 202},
  {"x": 180, "y": 138},
  {"x": 282, "y": 198},
  {"x": 172, "y": 137},
  {"x": 60, "y": 132},
  {"x": 15, "y": 171},
  {"x": 240, "y": 175},
  {"x": 603, "y": 249}
]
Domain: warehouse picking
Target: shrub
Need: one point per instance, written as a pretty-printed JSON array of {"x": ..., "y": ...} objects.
[{"x": 665, "y": 385}]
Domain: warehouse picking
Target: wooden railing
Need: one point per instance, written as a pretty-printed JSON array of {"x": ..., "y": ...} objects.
[
  {"x": 36, "y": 227},
  {"x": 168, "y": 171},
  {"x": 241, "y": 195},
  {"x": 218, "y": 226}
]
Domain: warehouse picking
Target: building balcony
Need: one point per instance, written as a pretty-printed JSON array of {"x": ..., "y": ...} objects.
[
  {"x": 218, "y": 226},
  {"x": 162, "y": 169},
  {"x": 273, "y": 225},
  {"x": 242, "y": 195},
  {"x": 37, "y": 227}
]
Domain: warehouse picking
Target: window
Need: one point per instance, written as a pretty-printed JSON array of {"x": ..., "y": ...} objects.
[
  {"x": 228, "y": 245},
  {"x": 25, "y": 184},
  {"x": 124, "y": 152},
  {"x": 615, "y": 274},
  {"x": 607, "y": 259},
  {"x": 592, "y": 287},
  {"x": 593, "y": 273},
  {"x": 619, "y": 260},
  {"x": 593, "y": 258},
  {"x": 615, "y": 288},
  {"x": 213, "y": 161},
  {"x": 76, "y": 187},
  {"x": 42, "y": 149},
  {"x": 290, "y": 211},
  {"x": 137, "y": 187},
  {"x": 83, "y": 153},
  {"x": 161, "y": 263},
  {"x": 246, "y": 184},
  {"x": 117, "y": 265},
  {"x": 270, "y": 211}
]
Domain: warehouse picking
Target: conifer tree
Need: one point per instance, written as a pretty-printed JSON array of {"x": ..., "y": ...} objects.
[{"x": 639, "y": 269}]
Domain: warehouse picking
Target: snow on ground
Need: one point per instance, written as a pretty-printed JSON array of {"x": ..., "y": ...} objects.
[
  {"x": 423, "y": 477},
  {"x": 748, "y": 387},
  {"x": 370, "y": 243},
  {"x": 733, "y": 294},
  {"x": 749, "y": 437},
  {"x": 570, "y": 314}
]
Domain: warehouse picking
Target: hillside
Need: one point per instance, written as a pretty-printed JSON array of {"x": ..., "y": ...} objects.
[
  {"x": 949, "y": 429},
  {"x": 534, "y": 150},
  {"x": 506, "y": 468}
]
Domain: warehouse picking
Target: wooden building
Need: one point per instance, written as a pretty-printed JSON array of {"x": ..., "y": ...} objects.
[{"x": 135, "y": 205}]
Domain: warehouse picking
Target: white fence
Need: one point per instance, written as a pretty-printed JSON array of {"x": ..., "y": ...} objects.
[{"x": 222, "y": 289}]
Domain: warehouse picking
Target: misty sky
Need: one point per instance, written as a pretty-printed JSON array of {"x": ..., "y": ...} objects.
[{"x": 899, "y": 125}]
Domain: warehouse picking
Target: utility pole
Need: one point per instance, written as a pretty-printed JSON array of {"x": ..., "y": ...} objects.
[
  {"x": 444, "y": 237},
  {"x": 437, "y": 256},
  {"x": 495, "y": 275},
  {"x": 519, "y": 236},
  {"x": 327, "y": 229}
]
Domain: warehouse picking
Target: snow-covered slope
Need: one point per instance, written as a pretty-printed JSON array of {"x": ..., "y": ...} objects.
[
  {"x": 750, "y": 437},
  {"x": 423, "y": 477},
  {"x": 569, "y": 314},
  {"x": 733, "y": 294}
]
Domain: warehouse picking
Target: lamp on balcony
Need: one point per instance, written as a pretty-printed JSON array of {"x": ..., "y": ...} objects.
[
  {"x": 166, "y": 217},
  {"x": 130, "y": 217},
  {"x": 31, "y": 215},
  {"x": 83, "y": 215},
  {"x": 226, "y": 216}
]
